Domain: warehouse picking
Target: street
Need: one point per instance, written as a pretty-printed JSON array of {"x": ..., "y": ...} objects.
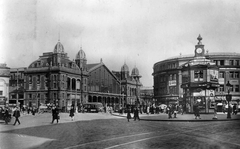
[{"x": 100, "y": 130}]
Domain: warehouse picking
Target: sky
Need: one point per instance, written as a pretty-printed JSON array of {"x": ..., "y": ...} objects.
[{"x": 136, "y": 32}]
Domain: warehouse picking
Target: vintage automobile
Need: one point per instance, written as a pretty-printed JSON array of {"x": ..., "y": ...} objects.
[{"x": 93, "y": 107}]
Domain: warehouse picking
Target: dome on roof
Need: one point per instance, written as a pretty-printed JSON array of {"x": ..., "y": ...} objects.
[
  {"x": 58, "y": 48},
  {"x": 135, "y": 71},
  {"x": 124, "y": 68},
  {"x": 81, "y": 54}
]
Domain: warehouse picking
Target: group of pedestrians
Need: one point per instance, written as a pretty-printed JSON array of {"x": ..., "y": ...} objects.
[
  {"x": 172, "y": 110},
  {"x": 135, "y": 114},
  {"x": 7, "y": 116}
]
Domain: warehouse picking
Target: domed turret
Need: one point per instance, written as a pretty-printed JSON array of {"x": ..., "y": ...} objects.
[
  {"x": 81, "y": 54},
  {"x": 124, "y": 68},
  {"x": 135, "y": 71},
  {"x": 58, "y": 48}
]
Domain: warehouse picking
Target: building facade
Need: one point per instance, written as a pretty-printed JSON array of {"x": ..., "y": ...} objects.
[
  {"x": 54, "y": 78},
  {"x": 103, "y": 86},
  {"x": 146, "y": 94},
  {"x": 202, "y": 77},
  {"x": 16, "y": 86},
  {"x": 4, "y": 84},
  {"x": 130, "y": 86}
]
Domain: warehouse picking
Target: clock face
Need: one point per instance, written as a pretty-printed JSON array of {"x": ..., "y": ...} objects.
[{"x": 199, "y": 50}]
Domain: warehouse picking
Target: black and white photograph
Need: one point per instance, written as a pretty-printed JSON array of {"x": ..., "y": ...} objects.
[{"x": 119, "y": 74}]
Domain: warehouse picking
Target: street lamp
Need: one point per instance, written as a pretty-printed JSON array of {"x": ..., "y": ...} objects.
[
  {"x": 137, "y": 100},
  {"x": 228, "y": 98}
]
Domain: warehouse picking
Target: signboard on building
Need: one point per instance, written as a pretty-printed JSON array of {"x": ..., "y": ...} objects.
[
  {"x": 221, "y": 80},
  {"x": 210, "y": 93},
  {"x": 172, "y": 83},
  {"x": 201, "y": 93},
  {"x": 234, "y": 82},
  {"x": 212, "y": 76}
]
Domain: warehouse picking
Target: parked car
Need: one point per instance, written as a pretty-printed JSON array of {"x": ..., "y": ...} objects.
[
  {"x": 93, "y": 107},
  {"x": 43, "y": 108}
]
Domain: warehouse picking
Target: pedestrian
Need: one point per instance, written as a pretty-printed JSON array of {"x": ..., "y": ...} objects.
[
  {"x": 148, "y": 110},
  {"x": 174, "y": 109},
  {"x": 136, "y": 114},
  {"x": 72, "y": 113},
  {"x": 7, "y": 116},
  {"x": 215, "y": 111},
  {"x": 169, "y": 109},
  {"x": 235, "y": 109},
  {"x": 16, "y": 114},
  {"x": 33, "y": 111},
  {"x": 197, "y": 113},
  {"x": 28, "y": 110},
  {"x": 55, "y": 113},
  {"x": 128, "y": 114},
  {"x": 195, "y": 110}
]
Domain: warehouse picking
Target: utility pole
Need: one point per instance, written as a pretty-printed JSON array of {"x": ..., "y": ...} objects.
[
  {"x": 81, "y": 85},
  {"x": 17, "y": 89}
]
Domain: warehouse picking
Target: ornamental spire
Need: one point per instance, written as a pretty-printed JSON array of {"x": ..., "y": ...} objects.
[{"x": 199, "y": 39}]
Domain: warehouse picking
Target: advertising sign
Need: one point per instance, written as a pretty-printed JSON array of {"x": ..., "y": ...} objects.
[
  {"x": 172, "y": 83},
  {"x": 213, "y": 75},
  {"x": 197, "y": 94},
  {"x": 234, "y": 82},
  {"x": 221, "y": 80}
]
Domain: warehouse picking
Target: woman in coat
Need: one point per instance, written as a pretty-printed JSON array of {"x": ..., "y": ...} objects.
[
  {"x": 128, "y": 114},
  {"x": 16, "y": 114},
  {"x": 55, "y": 113},
  {"x": 72, "y": 113},
  {"x": 136, "y": 114}
]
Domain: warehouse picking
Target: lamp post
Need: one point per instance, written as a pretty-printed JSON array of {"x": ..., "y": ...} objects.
[
  {"x": 81, "y": 86},
  {"x": 228, "y": 98},
  {"x": 137, "y": 99}
]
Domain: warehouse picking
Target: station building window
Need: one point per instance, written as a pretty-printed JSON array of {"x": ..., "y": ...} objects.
[
  {"x": 236, "y": 75},
  {"x": 221, "y": 74},
  {"x": 236, "y": 88},
  {"x": 198, "y": 75},
  {"x": 231, "y": 74},
  {"x": 231, "y": 62},
  {"x": 237, "y": 62}
]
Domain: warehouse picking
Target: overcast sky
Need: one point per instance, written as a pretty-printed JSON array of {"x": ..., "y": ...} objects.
[{"x": 138, "y": 32}]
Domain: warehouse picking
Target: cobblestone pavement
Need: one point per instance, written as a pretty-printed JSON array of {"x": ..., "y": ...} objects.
[{"x": 107, "y": 131}]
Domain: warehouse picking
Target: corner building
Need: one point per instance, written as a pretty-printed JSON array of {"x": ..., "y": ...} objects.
[
  {"x": 4, "y": 84},
  {"x": 200, "y": 77},
  {"x": 53, "y": 78}
]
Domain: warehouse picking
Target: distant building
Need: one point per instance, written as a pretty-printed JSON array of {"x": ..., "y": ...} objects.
[
  {"x": 200, "y": 77},
  {"x": 16, "y": 86},
  {"x": 4, "y": 84},
  {"x": 146, "y": 94},
  {"x": 103, "y": 85},
  {"x": 130, "y": 85}
]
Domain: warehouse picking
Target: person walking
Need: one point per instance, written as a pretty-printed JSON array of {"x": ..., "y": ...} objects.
[
  {"x": 72, "y": 113},
  {"x": 16, "y": 114},
  {"x": 7, "y": 116},
  {"x": 234, "y": 109},
  {"x": 148, "y": 110},
  {"x": 55, "y": 113},
  {"x": 169, "y": 110},
  {"x": 197, "y": 111},
  {"x": 136, "y": 114},
  {"x": 174, "y": 109},
  {"x": 128, "y": 114}
]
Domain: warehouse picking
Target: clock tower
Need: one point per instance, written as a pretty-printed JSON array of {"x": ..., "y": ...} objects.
[{"x": 199, "y": 48}]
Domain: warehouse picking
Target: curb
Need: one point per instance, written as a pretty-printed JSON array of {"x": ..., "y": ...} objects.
[{"x": 175, "y": 120}]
